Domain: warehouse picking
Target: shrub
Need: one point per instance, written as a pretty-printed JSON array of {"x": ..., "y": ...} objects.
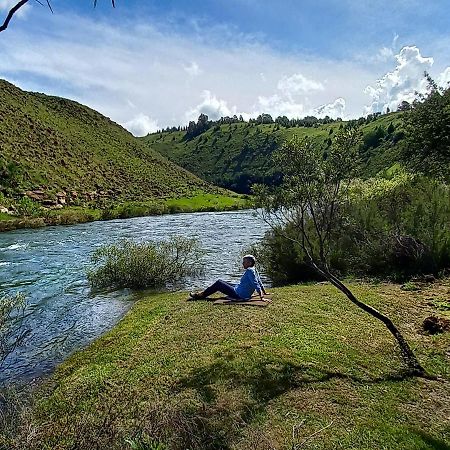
[
  {"x": 28, "y": 208},
  {"x": 141, "y": 265},
  {"x": 392, "y": 229},
  {"x": 397, "y": 228},
  {"x": 281, "y": 259}
]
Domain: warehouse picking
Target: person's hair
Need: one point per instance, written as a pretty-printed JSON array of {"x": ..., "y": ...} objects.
[{"x": 250, "y": 258}]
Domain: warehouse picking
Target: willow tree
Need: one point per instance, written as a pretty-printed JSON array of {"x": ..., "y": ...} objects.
[
  {"x": 15, "y": 8},
  {"x": 311, "y": 200}
]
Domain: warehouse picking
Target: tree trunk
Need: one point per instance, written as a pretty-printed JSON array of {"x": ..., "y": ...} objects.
[{"x": 408, "y": 355}]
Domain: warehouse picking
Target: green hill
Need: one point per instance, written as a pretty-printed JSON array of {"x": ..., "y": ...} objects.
[
  {"x": 237, "y": 155},
  {"x": 51, "y": 146}
]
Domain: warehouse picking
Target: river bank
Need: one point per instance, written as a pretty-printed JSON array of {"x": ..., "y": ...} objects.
[
  {"x": 49, "y": 265},
  {"x": 175, "y": 374},
  {"x": 75, "y": 214}
]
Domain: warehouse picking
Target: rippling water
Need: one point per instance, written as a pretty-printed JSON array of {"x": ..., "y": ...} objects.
[{"x": 49, "y": 266}]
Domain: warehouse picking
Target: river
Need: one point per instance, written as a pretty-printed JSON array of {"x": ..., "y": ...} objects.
[{"x": 48, "y": 265}]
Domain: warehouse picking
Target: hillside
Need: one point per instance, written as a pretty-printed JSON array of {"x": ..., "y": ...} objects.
[
  {"x": 63, "y": 153},
  {"x": 236, "y": 155}
]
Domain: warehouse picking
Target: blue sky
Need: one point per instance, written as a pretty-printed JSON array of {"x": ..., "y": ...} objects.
[{"x": 148, "y": 64}]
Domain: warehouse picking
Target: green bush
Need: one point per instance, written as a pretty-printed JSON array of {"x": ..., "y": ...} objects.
[
  {"x": 128, "y": 264},
  {"x": 28, "y": 208},
  {"x": 390, "y": 228},
  {"x": 282, "y": 260}
]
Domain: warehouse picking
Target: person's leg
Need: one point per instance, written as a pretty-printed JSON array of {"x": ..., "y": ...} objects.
[{"x": 220, "y": 286}]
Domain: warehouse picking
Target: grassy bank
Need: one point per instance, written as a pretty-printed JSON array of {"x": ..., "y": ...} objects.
[
  {"x": 192, "y": 375},
  {"x": 72, "y": 215}
]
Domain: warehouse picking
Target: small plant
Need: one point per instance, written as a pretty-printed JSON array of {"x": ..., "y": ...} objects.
[
  {"x": 28, "y": 208},
  {"x": 145, "y": 443},
  {"x": 410, "y": 287},
  {"x": 142, "y": 265}
]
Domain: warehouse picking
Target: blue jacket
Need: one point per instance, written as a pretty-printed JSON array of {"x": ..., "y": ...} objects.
[{"x": 249, "y": 282}]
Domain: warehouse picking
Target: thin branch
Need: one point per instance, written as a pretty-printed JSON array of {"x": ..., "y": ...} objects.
[
  {"x": 22, "y": 3},
  {"x": 11, "y": 13}
]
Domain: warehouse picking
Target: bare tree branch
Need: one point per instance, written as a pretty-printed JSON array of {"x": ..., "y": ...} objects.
[
  {"x": 22, "y": 3},
  {"x": 11, "y": 13}
]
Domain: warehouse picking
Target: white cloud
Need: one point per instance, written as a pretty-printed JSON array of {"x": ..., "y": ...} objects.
[
  {"x": 298, "y": 83},
  {"x": 212, "y": 106},
  {"x": 335, "y": 109},
  {"x": 444, "y": 78},
  {"x": 384, "y": 54},
  {"x": 141, "y": 125},
  {"x": 277, "y": 105},
  {"x": 402, "y": 83},
  {"x": 193, "y": 69},
  {"x": 6, "y": 5},
  {"x": 139, "y": 69}
]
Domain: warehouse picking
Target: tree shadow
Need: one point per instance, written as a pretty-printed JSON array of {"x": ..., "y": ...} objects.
[
  {"x": 432, "y": 442},
  {"x": 264, "y": 381}
]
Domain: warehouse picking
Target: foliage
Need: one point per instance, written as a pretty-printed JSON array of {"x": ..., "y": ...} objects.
[
  {"x": 128, "y": 264},
  {"x": 28, "y": 208},
  {"x": 12, "y": 331},
  {"x": 427, "y": 125},
  {"x": 395, "y": 228},
  {"x": 282, "y": 259},
  {"x": 313, "y": 198},
  {"x": 313, "y": 190},
  {"x": 390, "y": 228}
]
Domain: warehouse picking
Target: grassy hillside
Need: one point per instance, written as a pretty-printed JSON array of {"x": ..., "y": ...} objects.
[
  {"x": 59, "y": 146},
  {"x": 237, "y": 155},
  {"x": 193, "y": 375}
]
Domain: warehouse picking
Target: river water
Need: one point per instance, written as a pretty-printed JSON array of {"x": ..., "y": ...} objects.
[{"x": 48, "y": 265}]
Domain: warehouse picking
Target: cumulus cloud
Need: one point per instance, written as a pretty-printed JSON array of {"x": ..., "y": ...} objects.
[
  {"x": 141, "y": 125},
  {"x": 6, "y": 5},
  {"x": 277, "y": 105},
  {"x": 193, "y": 69},
  {"x": 335, "y": 109},
  {"x": 298, "y": 83},
  {"x": 292, "y": 99},
  {"x": 213, "y": 107},
  {"x": 402, "y": 83}
]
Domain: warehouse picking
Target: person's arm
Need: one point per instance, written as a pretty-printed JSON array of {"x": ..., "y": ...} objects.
[
  {"x": 260, "y": 282},
  {"x": 254, "y": 280}
]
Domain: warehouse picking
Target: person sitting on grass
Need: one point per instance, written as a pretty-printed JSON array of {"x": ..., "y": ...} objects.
[{"x": 250, "y": 281}]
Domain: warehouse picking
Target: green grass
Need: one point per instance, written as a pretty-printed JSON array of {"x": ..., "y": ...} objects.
[
  {"x": 235, "y": 156},
  {"x": 207, "y": 202},
  {"x": 192, "y": 375},
  {"x": 77, "y": 214}
]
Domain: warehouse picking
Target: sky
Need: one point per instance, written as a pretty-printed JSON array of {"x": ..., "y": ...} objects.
[{"x": 152, "y": 64}]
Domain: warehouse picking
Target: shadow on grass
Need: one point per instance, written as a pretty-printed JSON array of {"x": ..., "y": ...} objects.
[
  {"x": 261, "y": 382},
  {"x": 432, "y": 442}
]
